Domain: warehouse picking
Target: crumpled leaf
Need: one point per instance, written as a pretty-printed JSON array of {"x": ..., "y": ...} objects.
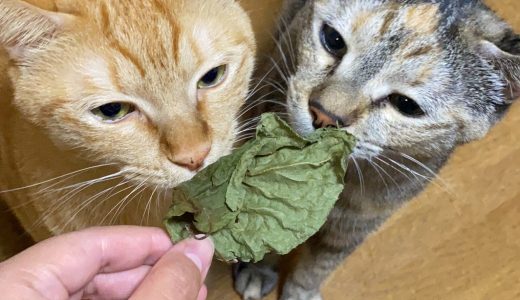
[{"x": 271, "y": 194}]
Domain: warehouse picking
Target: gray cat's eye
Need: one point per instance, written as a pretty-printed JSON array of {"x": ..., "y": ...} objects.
[
  {"x": 406, "y": 106},
  {"x": 332, "y": 41}
]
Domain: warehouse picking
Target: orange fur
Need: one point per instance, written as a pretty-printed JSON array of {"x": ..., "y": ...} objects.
[
  {"x": 78, "y": 55},
  {"x": 422, "y": 18}
]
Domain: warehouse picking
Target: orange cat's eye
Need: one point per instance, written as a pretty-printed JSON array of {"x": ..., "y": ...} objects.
[
  {"x": 113, "y": 112},
  {"x": 213, "y": 78}
]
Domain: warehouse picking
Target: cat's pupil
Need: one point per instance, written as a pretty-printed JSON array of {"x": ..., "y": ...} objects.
[
  {"x": 211, "y": 76},
  {"x": 406, "y": 105},
  {"x": 111, "y": 110},
  {"x": 333, "y": 41}
]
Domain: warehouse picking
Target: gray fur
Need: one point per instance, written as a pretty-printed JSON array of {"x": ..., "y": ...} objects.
[{"x": 460, "y": 63}]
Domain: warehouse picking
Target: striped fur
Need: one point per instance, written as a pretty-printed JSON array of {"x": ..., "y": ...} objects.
[
  {"x": 456, "y": 59},
  {"x": 71, "y": 56}
]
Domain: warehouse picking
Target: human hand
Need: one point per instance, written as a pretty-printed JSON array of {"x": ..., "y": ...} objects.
[{"x": 109, "y": 263}]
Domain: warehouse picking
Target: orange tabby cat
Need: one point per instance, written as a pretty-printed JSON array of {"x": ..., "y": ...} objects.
[{"x": 114, "y": 103}]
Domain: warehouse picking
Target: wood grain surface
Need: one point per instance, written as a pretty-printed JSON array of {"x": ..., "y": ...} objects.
[{"x": 459, "y": 240}]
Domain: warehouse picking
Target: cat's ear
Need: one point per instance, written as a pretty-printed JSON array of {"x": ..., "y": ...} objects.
[
  {"x": 497, "y": 43},
  {"x": 507, "y": 63},
  {"x": 24, "y": 27}
]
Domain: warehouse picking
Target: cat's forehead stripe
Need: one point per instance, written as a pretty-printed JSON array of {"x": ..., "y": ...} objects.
[
  {"x": 387, "y": 22},
  {"x": 174, "y": 26},
  {"x": 114, "y": 42},
  {"x": 422, "y": 18}
]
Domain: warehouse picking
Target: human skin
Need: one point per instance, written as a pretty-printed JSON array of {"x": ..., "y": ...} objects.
[{"x": 123, "y": 262}]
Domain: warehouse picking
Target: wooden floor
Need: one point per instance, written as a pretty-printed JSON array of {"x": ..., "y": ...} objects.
[{"x": 461, "y": 241}]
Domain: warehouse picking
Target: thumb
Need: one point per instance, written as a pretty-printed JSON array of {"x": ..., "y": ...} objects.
[{"x": 179, "y": 274}]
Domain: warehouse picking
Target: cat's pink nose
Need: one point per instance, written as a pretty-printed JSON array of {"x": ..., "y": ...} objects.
[
  {"x": 193, "y": 158},
  {"x": 322, "y": 118}
]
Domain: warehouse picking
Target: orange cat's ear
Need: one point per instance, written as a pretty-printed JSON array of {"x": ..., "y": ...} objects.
[{"x": 24, "y": 27}]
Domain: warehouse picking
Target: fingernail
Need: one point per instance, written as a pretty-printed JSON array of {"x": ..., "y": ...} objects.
[
  {"x": 195, "y": 259},
  {"x": 200, "y": 252}
]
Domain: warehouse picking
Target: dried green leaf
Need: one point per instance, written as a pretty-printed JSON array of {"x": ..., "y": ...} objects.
[{"x": 270, "y": 195}]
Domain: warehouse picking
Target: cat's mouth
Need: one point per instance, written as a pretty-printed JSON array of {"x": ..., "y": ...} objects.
[{"x": 161, "y": 180}]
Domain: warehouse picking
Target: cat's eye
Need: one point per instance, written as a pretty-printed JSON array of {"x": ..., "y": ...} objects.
[
  {"x": 406, "y": 106},
  {"x": 332, "y": 41},
  {"x": 213, "y": 78},
  {"x": 114, "y": 111}
]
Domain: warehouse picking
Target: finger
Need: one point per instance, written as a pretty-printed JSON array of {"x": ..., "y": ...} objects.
[
  {"x": 203, "y": 293},
  {"x": 115, "y": 285},
  {"x": 63, "y": 265},
  {"x": 179, "y": 274}
]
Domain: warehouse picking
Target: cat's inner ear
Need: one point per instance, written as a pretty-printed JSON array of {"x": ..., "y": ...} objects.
[
  {"x": 508, "y": 64},
  {"x": 24, "y": 27}
]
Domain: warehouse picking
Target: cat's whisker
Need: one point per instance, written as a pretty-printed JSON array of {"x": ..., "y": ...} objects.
[
  {"x": 372, "y": 164},
  {"x": 81, "y": 186},
  {"x": 148, "y": 208},
  {"x": 251, "y": 106},
  {"x": 158, "y": 200},
  {"x": 265, "y": 101},
  {"x": 416, "y": 182},
  {"x": 280, "y": 71},
  {"x": 430, "y": 171},
  {"x": 426, "y": 178},
  {"x": 111, "y": 193},
  {"x": 284, "y": 38},
  {"x": 67, "y": 176},
  {"x": 360, "y": 175},
  {"x": 287, "y": 38},
  {"x": 282, "y": 54},
  {"x": 140, "y": 199},
  {"x": 117, "y": 204},
  {"x": 64, "y": 200},
  {"x": 89, "y": 182},
  {"x": 256, "y": 102},
  {"x": 244, "y": 136},
  {"x": 276, "y": 88},
  {"x": 387, "y": 174},
  {"x": 257, "y": 86},
  {"x": 243, "y": 139},
  {"x": 91, "y": 199},
  {"x": 410, "y": 170},
  {"x": 248, "y": 131},
  {"x": 276, "y": 84},
  {"x": 420, "y": 176},
  {"x": 122, "y": 204},
  {"x": 436, "y": 180},
  {"x": 248, "y": 124},
  {"x": 251, "y": 123}
]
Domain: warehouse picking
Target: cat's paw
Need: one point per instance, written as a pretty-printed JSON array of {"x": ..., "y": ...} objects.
[
  {"x": 254, "y": 281},
  {"x": 295, "y": 292}
]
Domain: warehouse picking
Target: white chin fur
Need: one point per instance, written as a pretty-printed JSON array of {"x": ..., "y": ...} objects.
[{"x": 366, "y": 151}]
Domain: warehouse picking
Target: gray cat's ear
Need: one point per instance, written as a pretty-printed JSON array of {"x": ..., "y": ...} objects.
[
  {"x": 508, "y": 64},
  {"x": 24, "y": 27}
]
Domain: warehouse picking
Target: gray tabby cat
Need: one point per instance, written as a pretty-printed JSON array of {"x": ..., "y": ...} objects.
[{"x": 411, "y": 80}]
